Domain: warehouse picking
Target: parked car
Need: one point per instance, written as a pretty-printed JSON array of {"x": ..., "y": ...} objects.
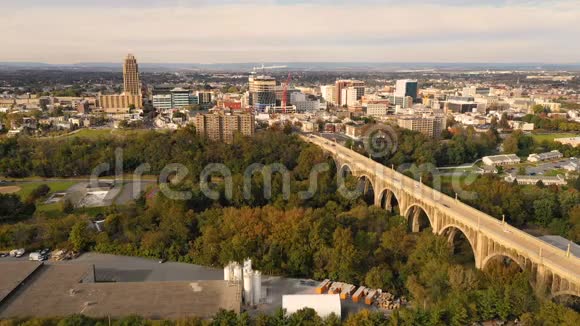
[
  {"x": 17, "y": 253},
  {"x": 36, "y": 256}
]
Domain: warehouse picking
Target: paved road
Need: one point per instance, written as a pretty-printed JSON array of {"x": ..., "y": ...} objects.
[
  {"x": 136, "y": 269},
  {"x": 552, "y": 257}
]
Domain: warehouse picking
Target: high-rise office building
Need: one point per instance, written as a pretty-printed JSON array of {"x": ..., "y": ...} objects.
[
  {"x": 204, "y": 97},
  {"x": 262, "y": 92},
  {"x": 407, "y": 87},
  {"x": 131, "y": 81},
  {"x": 132, "y": 90},
  {"x": 179, "y": 98},
  {"x": 162, "y": 101}
]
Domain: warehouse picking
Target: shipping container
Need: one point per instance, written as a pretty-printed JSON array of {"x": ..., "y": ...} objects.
[
  {"x": 323, "y": 286},
  {"x": 370, "y": 297},
  {"x": 359, "y": 294}
]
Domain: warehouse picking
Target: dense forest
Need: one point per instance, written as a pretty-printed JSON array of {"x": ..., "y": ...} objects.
[
  {"x": 326, "y": 236},
  {"x": 549, "y": 314}
]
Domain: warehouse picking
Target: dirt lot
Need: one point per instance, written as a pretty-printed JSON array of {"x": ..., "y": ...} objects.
[{"x": 9, "y": 190}]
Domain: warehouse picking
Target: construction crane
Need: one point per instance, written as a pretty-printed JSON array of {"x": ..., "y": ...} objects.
[{"x": 285, "y": 92}]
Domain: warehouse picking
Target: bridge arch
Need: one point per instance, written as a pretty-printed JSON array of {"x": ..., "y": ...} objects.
[
  {"x": 503, "y": 254},
  {"x": 389, "y": 201},
  {"x": 366, "y": 187},
  {"x": 331, "y": 158},
  {"x": 344, "y": 169},
  {"x": 415, "y": 214},
  {"x": 571, "y": 293},
  {"x": 450, "y": 229}
]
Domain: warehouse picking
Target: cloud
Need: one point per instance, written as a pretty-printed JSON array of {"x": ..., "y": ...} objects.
[{"x": 262, "y": 31}]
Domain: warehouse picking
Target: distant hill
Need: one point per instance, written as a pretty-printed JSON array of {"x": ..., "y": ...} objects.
[{"x": 313, "y": 66}]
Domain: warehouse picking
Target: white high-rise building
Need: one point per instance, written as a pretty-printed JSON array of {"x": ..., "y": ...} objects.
[
  {"x": 328, "y": 93},
  {"x": 406, "y": 87},
  {"x": 351, "y": 95}
]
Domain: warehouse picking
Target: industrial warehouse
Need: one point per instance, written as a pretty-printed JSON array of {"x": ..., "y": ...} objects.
[
  {"x": 101, "y": 285},
  {"x": 41, "y": 290}
]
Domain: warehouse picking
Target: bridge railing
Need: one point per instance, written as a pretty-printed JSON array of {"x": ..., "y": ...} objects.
[{"x": 435, "y": 198}]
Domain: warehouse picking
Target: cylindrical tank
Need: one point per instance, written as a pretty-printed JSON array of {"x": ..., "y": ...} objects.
[
  {"x": 257, "y": 287},
  {"x": 228, "y": 272},
  {"x": 248, "y": 264},
  {"x": 237, "y": 272},
  {"x": 248, "y": 291}
]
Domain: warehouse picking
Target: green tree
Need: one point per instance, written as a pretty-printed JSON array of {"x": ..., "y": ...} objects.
[
  {"x": 79, "y": 236},
  {"x": 305, "y": 317},
  {"x": 380, "y": 277},
  {"x": 67, "y": 206},
  {"x": 38, "y": 193},
  {"x": 503, "y": 121},
  {"x": 544, "y": 211}
]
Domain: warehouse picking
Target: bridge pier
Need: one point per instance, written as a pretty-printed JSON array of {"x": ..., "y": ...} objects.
[{"x": 479, "y": 250}]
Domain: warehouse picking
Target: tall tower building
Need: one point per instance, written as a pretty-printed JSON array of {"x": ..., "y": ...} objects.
[
  {"x": 406, "y": 87},
  {"x": 262, "y": 92},
  {"x": 131, "y": 82}
]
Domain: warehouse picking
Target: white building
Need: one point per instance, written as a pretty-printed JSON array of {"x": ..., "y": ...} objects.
[
  {"x": 572, "y": 167},
  {"x": 553, "y": 155},
  {"x": 323, "y": 304},
  {"x": 328, "y": 93},
  {"x": 297, "y": 97},
  {"x": 534, "y": 179},
  {"x": 520, "y": 125},
  {"x": 309, "y": 126},
  {"x": 351, "y": 95},
  {"x": 406, "y": 87},
  {"x": 506, "y": 159},
  {"x": 574, "y": 141},
  {"x": 376, "y": 109},
  {"x": 307, "y": 106}
]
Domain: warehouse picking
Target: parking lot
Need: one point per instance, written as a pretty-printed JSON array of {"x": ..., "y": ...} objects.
[{"x": 543, "y": 168}]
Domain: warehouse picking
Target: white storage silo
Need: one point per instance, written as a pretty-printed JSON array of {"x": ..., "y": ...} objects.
[
  {"x": 257, "y": 282},
  {"x": 248, "y": 290},
  {"x": 248, "y": 264},
  {"x": 237, "y": 272},
  {"x": 228, "y": 272}
]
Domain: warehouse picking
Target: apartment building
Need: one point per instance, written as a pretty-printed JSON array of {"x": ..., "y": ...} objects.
[
  {"x": 223, "y": 127},
  {"x": 430, "y": 126}
]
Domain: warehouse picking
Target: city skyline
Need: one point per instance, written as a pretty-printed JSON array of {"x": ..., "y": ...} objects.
[{"x": 290, "y": 31}]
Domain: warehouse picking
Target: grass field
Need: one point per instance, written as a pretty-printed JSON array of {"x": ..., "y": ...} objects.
[
  {"x": 96, "y": 133},
  {"x": 55, "y": 186},
  {"x": 90, "y": 133},
  {"x": 550, "y": 137},
  {"x": 99, "y": 133}
]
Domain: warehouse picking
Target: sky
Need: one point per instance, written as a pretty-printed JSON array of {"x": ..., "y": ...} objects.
[{"x": 224, "y": 31}]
